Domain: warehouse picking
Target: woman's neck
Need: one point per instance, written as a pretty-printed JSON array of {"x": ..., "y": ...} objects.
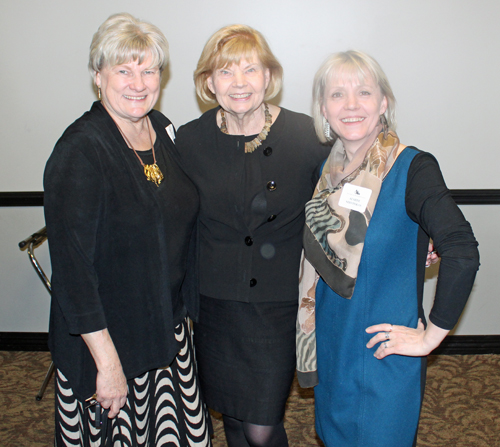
[
  {"x": 244, "y": 124},
  {"x": 352, "y": 148},
  {"x": 139, "y": 134}
]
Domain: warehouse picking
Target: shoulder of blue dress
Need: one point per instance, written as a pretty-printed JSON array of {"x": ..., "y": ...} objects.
[
  {"x": 411, "y": 150},
  {"x": 408, "y": 154},
  {"x": 404, "y": 160}
]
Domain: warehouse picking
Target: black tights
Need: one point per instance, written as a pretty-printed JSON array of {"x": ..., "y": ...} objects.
[{"x": 245, "y": 434}]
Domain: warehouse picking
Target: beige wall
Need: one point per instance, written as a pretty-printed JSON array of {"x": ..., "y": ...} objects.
[{"x": 440, "y": 56}]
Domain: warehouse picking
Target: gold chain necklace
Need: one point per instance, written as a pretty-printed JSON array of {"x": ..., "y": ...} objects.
[
  {"x": 250, "y": 146},
  {"x": 152, "y": 172}
]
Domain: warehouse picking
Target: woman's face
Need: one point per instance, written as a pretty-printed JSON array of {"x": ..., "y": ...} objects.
[
  {"x": 129, "y": 91},
  {"x": 240, "y": 88},
  {"x": 353, "y": 108}
]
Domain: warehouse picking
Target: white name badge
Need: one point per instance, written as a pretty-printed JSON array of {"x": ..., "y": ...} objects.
[
  {"x": 355, "y": 197},
  {"x": 171, "y": 132}
]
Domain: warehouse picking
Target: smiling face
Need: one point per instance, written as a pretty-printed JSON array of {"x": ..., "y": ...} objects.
[
  {"x": 129, "y": 91},
  {"x": 353, "y": 107},
  {"x": 240, "y": 88}
]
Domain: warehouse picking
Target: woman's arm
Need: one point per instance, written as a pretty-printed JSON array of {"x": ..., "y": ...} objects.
[
  {"x": 429, "y": 203},
  {"x": 111, "y": 384},
  {"x": 73, "y": 201}
]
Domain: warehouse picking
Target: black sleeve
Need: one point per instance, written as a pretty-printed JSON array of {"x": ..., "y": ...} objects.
[
  {"x": 72, "y": 202},
  {"x": 317, "y": 173},
  {"x": 429, "y": 203},
  {"x": 318, "y": 152}
]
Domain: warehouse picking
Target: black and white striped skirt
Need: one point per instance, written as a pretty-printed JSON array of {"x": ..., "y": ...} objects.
[{"x": 163, "y": 408}]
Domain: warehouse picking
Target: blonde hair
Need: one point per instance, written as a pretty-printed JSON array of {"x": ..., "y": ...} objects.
[
  {"x": 354, "y": 64},
  {"x": 228, "y": 46},
  {"x": 123, "y": 38}
]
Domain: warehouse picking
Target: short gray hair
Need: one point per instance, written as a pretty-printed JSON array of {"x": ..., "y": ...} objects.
[
  {"x": 123, "y": 38},
  {"x": 356, "y": 63}
]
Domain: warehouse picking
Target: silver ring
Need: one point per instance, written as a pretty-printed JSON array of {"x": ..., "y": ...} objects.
[
  {"x": 385, "y": 345},
  {"x": 387, "y": 335}
]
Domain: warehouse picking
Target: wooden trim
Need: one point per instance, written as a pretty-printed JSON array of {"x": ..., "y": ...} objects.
[
  {"x": 469, "y": 345},
  {"x": 476, "y": 196},
  {"x": 24, "y": 341},
  {"x": 461, "y": 197},
  {"x": 452, "y": 345},
  {"x": 23, "y": 198}
]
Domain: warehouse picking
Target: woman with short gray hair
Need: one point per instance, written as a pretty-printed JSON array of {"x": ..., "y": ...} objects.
[{"x": 121, "y": 222}]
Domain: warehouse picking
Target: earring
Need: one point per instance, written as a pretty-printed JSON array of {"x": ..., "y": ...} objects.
[
  {"x": 327, "y": 129},
  {"x": 383, "y": 121},
  {"x": 99, "y": 92}
]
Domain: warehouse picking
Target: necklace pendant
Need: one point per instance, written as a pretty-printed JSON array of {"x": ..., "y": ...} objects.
[
  {"x": 250, "y": 146},
  {"x": 153, "y": 174}
]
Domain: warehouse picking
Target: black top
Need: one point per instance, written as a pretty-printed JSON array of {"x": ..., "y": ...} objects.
[
  {"x": 429, "y": 203},
  {"x": 119, "y": 248},
  {"x": 251, "y": 205}
]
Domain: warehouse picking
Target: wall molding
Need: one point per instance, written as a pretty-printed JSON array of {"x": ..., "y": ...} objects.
[
  {"x": 451, "y": 345},
  {"x": 469, "y": 345},
  {"x": 23, "y": 198},
  {"x": 476, "y": 196},
  {"x": 24, "y": 341},
  {"x": 461, "y": 196}
]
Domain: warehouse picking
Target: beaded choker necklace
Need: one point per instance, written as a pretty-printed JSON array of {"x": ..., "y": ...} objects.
[{"x": 250, "y": 146}]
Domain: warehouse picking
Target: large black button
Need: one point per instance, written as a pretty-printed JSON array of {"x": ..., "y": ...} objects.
[
  {"x": 253, "y": 282},
  {"x": 268, "y": 151},
  {"x": 248, "y": 241},
  {"x": 271, "y": 186},
  {"x": 271, "y": 217}
]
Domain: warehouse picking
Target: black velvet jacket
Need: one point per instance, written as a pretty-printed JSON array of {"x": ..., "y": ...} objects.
[
  {"x": 119, "y": 248},
  {"x": 251, "y": 205}
]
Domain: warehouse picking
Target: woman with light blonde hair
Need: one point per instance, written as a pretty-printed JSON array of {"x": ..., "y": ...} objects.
[{"x": 375, "y": 206}]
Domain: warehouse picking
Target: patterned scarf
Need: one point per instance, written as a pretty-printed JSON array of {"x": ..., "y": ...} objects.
[{"x": 334, "y": 233}]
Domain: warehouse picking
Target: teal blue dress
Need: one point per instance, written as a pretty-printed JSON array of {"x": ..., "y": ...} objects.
[{"x": 362, "y": 401}]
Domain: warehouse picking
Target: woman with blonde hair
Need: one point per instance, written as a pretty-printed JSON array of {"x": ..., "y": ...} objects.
[
  {"x": 375, "y": 206},
  {"x": 253, "y": 164},
  {"x": 121, "y": 222}
]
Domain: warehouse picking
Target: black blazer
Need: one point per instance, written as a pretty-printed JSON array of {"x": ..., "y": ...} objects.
[{"x": 251, "y": 205}]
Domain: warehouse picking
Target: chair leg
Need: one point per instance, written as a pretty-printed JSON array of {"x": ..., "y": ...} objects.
[{"x": 50, "y": 371}]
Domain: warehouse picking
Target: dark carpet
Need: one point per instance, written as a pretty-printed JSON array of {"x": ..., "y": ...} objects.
[{"x": 461, "y": 406}]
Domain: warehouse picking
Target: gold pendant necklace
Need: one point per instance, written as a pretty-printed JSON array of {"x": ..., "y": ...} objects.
[
  {"x": 152, "y": 172},
  {"x": 250, "y": 146}
]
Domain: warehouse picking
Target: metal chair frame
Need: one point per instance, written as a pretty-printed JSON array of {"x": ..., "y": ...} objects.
[{"x": 30, "y": 244}]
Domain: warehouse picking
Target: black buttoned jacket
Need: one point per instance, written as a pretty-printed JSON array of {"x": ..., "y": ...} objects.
[{"x": 251, "y": 205}]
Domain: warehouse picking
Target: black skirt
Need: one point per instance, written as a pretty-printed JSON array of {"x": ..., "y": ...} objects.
[{"x": 246, "y": 357}]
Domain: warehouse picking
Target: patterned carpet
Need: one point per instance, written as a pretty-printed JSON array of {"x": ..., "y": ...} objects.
[{"x": 461, "y": 406}]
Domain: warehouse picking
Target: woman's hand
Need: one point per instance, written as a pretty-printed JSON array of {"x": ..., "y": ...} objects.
[
  {"x": 111, "y": 389},
  {"x": 403, "y": 340},
  {"x": 111, "y": 384},
  {"x": 432, "y": 255}
]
